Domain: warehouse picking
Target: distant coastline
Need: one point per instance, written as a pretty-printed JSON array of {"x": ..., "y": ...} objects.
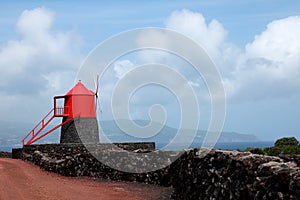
[
  {"x": 220, "y": 145},
  {"x": 226, "y": 145}
]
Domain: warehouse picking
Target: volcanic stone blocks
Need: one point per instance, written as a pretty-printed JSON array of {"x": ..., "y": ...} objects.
[
  {"x": 80, "y": 130},
  {"x": 218, "y": 175},
  {"x": 5, "y": 154},
  {"x": 234, "y": 175},
  {"x": 63, "y": 150}
]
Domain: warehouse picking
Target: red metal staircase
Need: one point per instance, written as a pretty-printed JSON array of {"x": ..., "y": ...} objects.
[{"x": 35, "y": 134}]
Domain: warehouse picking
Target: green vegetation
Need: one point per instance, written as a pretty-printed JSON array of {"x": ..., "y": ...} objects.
[
  {"x": 286, "y": 145},
  {"x": 287, "y": 141}
]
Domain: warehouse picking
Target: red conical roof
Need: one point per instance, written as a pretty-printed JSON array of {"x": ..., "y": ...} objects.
[{"x": 79, "y": 89}]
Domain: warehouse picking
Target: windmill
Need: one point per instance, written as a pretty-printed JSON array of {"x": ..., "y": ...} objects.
[{"x": 79, "y": 123}]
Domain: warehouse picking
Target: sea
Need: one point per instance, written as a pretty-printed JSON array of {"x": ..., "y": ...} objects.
[{"x": 222, "y": 146}]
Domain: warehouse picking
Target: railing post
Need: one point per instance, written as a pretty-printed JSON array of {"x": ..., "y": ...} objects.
[{"x": 54, "y": 106}]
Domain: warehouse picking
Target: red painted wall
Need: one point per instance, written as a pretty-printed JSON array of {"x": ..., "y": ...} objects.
[{"x": 80, "y": 105}]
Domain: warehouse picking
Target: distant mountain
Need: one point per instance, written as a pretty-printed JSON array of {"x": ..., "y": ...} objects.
[
  {"x": 166, "y": 134},
  {"x": 237, "y": 137},
  {"x": 12, "y": 133}
]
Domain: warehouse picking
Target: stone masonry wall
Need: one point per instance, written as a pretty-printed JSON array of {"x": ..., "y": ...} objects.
[
  {"x": 72, "y": 132},
  {"x": 5, "y": 154},
  {"x": 218, "y": 175},
  {"x": 234, "y": 175}
]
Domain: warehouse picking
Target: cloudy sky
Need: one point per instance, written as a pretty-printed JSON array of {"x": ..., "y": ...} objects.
[{"x": 254, "y": 44}]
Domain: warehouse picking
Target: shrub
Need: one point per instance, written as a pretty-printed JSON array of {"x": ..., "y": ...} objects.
[
  {"x": 273, "y": 151},
  {"x": 286, "y": 145},
  {"x": 255, "y": 150},
  {"x": 287, "y": 141}
]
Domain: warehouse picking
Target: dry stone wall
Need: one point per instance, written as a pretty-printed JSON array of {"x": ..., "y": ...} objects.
[
  {"x": 5, "y": 154},
  {"x": 218, "y": 175},
  {"x": 234, "y": 175}
]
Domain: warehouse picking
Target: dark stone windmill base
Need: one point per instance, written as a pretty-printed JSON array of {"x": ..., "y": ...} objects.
[{"x": 80, "y": 130}]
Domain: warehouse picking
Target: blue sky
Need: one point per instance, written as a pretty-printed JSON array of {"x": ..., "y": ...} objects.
[
  {"x": 244, "y": 19},
  {"x": 261, "y": 81}
]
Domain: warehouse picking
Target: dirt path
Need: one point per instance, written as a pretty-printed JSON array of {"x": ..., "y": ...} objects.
[{"x": 22, "y": 180}]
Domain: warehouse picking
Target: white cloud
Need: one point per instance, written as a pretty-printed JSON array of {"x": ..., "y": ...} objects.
[
  {"x": 122, "y": 67},
  {"x": 270, "y": 65},
  {"x": 211, "y": 36},
  {"x": 192, "y": 24},
  {"x": 267, "y": 67},
  {"x": 279, "y": 42},
  {"x": 27, "y": 64},
  {"x": 35, "y": 24},
  {"x": 40, "y": 64}
]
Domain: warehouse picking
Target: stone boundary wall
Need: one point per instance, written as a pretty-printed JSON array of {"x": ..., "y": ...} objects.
[
  {"x": 235, "y": 175},
  {"x": 63, "y": 150},
  {"x": 5, "y": 154},
  {"x": 218, "y": 175}
]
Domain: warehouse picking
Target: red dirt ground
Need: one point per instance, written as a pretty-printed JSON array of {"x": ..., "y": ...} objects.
[{"x": 23, "y": 180}]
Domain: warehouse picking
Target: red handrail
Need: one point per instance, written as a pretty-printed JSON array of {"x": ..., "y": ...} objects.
[
  {"x": 34, "y": 133},
  {"x": 32, "y": 140},
  {"x": 42, "y": 122}
]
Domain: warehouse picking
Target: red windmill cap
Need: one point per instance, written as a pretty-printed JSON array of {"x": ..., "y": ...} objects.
[{"x": 79, "y": 89}]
